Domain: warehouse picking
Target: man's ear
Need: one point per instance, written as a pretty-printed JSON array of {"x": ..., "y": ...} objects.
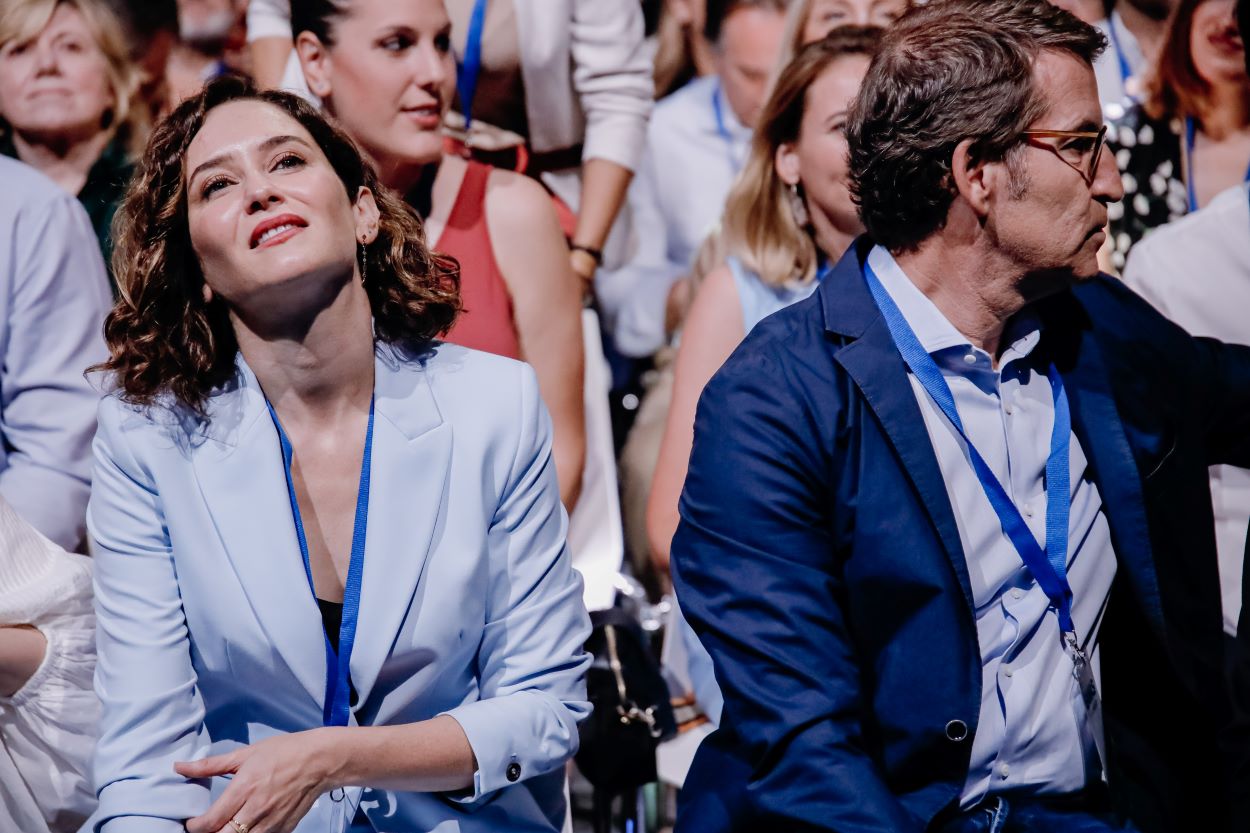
[
  {"x": 786, "y": 162},
  {"x": 974, "y": 179},
  {"x": 367, "y": 215},
  {"x": 314, "y": 59}
]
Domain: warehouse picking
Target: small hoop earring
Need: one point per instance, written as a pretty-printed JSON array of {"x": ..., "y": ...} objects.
[{"x": 364, "y": 262}]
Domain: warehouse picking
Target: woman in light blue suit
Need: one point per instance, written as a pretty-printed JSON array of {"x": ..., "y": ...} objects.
[{"x": 332, "y": 589}]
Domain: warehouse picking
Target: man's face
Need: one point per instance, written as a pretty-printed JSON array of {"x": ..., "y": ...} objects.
[
  {"x": 1048, "y": 218},
  {"x": 750, "y": 41}
]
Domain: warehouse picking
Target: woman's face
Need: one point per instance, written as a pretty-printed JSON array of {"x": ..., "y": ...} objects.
[
  {"x": 55, "y": 87},
  {"x": 1215, "y": 43},
  {"x": 389, "y": 78},
  {"x": 266, "y": 210},
  {"x": 817, "y": 159},
  {"x": 823, "y": 16}
]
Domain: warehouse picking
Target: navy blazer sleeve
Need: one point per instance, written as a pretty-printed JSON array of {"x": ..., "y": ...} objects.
[{"x": 755, "y": 569}]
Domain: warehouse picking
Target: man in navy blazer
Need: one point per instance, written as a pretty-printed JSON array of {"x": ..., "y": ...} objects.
[{"x": 893, "y": 655}]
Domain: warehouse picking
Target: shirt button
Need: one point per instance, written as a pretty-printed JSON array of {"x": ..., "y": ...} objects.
[
  {"x": 1028, "y": 510},
  {"x": 1007, "y": 406},
  {"x": 1017, "y": 593},
  {"x": 1007, "y": 672},
  {"x": 514, "y": 771},
  {"x": 1004, "y": 770},
  {"x": 971, "y": 358}
]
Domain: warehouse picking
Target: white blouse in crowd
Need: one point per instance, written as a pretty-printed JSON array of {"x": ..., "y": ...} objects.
[{"x": 47, "y": 728}]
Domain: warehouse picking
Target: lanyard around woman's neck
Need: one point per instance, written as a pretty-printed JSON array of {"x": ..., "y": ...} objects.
[
  {"x": 471, "y": 66},
  {"x": 1191, "y": 135},
  {"x": 337, "y": 708}
]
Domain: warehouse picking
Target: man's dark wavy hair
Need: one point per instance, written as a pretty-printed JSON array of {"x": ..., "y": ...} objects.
[
  {"x": 949, "y": 71},
  {"x": 165, "y": 339}
]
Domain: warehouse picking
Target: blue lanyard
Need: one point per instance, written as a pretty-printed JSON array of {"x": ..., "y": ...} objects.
[
  {"x": 1049, "y": 566},
  {"x": 1126, "y": 71},
  {"x": 471, "y": 66},
  {"x": 338, "y": 666},
  {"x": 718, "y": 110},
  {"x": 1191, "y": 133}
]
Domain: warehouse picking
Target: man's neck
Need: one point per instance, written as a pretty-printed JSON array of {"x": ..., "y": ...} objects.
[
  {"x": 1149, "y": 30},
  {"x": 976, "y": 295},
  {"x": 66, "y": 161},
  {"x": 316, "y": 368}
]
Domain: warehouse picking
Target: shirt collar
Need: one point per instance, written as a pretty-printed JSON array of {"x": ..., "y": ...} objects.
[
  {"x": 737, "y": 130},
  {"x": 937, "y": 334}
]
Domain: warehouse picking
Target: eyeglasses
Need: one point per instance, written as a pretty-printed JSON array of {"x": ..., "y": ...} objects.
[{"x": 1080, "y": 150}]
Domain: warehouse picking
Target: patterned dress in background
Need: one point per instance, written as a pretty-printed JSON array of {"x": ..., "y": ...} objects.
[{"x": 1149, "y": 154}]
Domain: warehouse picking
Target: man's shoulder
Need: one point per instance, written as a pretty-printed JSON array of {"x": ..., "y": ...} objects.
[
  {"x": 26, "y": 189},
  {"x": 682, "y": 109}
]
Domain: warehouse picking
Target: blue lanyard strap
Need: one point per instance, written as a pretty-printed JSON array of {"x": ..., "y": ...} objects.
[
  {"x": 1126, "y": 71},
  {"x": 1191, "y": 134},
  {"x": 471, "y": 66},
  {"x": 338, "y": 666},
  {"x": 1049, "y": 565},
  {"x": 718, "y": 110}
]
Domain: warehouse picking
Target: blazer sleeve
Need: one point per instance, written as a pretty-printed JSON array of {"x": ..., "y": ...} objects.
[
  {"x": 531, "y": 664},
  {"x": 612, "y": 76},
  {"x": 754, "y": 568},
  {"x": 152, "y": 709},
  {"x": 59, "y": 297}
]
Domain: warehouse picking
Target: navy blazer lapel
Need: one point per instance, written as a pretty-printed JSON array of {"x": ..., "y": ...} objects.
[
  {"x": 1097, "y": 425},
  {"x": 875, "y": 364},
  {"x": 407, "y": 501},
  {"x": 243, "y": 482}
]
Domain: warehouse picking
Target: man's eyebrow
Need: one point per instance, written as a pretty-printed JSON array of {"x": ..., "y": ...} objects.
[{"x": 268, "y": 144}]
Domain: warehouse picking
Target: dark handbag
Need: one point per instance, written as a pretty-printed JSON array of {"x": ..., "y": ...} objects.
[{"x": 632, "y": 713}]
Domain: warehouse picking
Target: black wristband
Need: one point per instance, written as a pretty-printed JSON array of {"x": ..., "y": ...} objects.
[{"x": 595, "y": 254}]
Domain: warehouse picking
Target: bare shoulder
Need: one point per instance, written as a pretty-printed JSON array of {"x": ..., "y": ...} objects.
[{"x": 517, "y": 205}]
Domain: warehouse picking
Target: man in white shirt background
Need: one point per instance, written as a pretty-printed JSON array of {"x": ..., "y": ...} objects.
[{"x": 696, "y": 143}]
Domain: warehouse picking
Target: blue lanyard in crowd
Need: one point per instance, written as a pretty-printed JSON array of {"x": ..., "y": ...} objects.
[
  {"x": 1191, "y": 133},
  {"x": 338, "y": 665},
  {"x": 718, "y": 110},
  {"x": 1126, "y": 71},
  {"x": 471, "y": 66},
  {"x": 1049, "y": 566}
]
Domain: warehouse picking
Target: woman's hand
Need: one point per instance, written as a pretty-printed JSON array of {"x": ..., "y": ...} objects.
[{"x": 275, "y": 783}]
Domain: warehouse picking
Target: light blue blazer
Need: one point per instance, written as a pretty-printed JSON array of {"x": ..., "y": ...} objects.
[{"x": 209, "y": 636}]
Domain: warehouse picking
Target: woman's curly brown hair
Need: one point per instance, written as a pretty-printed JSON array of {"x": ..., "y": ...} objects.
[{"x": 165, "y": 339}]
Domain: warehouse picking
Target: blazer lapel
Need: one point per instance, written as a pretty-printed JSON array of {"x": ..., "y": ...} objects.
[
  {"x": 243, "y": 482},
  {"x": 875, "y": 364},
  {"x": 1097, "y": 425},
  {"x": 407, "y": 497}
]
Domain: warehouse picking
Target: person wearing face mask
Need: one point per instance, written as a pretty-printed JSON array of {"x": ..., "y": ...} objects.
[
  {"x": 68, "y": 100},
  {"x": 332, "y": 587},
  {"x": 945, "y": 531},
  {"x": 810, "y": 20},
  {"x": 385, "y": 70},
  {"x": 1190, "y": 138},
  {"x": 696, "y": 145}
]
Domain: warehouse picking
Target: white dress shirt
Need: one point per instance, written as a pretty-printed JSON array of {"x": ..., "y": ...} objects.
[
  {"x": 1196, "y": 271},
  {"x": 1108, "y": 69},
  {"x": 676, "y": 199},
  {"x": 1031, "y": 735}
]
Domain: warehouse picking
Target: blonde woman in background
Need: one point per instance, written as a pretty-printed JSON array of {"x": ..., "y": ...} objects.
[
  {"x": 67, "y": 89},
  {"x": 810, "y": 20}
]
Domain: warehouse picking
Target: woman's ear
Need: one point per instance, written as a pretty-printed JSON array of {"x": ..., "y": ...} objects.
[
  {"x": 315, "y": 60},
  {"x": 367, "y": 216},
  {"x": 786, "y": 162}
]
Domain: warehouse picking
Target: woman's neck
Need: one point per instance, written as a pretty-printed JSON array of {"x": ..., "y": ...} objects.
[
  {"x": 66, "y": 161},
  {"x": 313, "y": 368},
  {"x": 1227, "y": 110},
  {"x": 830, "y": 239}
]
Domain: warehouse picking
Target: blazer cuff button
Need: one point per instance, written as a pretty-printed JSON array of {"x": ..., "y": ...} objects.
[
  {"x": 513, "y": 772},
  {"x": 957, "y": 730}
]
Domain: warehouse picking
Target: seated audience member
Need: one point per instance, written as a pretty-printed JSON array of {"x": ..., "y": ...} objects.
[
  {"x": 810, "y": 20},
  {"x": 521, "y": 300},
  {"x": 48, "y": 712},
  {"x": 53, "y": 297},
  {"x": 682, "y": 51},
  {"x": 1135, "y": 31},
  {"x": 1189, "y": 139},
  {"x": 67, "y": 100},
  {"x": 946, "y": 531},
  {"x": 562, "y": 93},
  {"x": 696, "y": 144},
  {"x": 1196, "y": 271},
  {"x": 779, "y": 240},
  {"x": 298, "y": 635},
  {"x": 211, "y": 42}
]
